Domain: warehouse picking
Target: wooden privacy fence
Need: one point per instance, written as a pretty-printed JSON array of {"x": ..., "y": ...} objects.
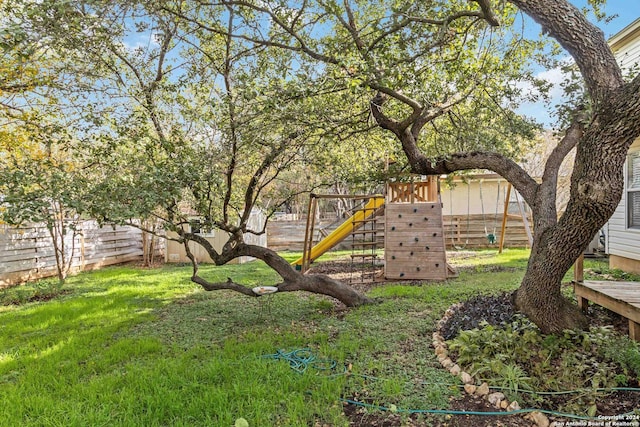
[
  {"x": 460, "y": 231},
  {"x": 27, "y": 252},
  {"x": 470, "y": 231}
]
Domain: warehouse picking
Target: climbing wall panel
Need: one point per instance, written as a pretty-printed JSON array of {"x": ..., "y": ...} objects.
[{"x": 414, "y": 242}]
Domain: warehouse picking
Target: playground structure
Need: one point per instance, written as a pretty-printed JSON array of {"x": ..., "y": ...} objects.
[
  {"x": 482, "y": 210},
  {"x": 412, "y": 234}
]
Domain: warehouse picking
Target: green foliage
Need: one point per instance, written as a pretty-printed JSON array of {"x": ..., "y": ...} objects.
[
  {"x": 380, "y": 48},
  {"x": 176, "y": 112},
  {"x": 529, "y": 365},
  {"x": 41, "y": 178}
]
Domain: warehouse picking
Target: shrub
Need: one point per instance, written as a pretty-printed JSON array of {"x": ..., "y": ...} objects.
[{"x": 530, "y": 366}]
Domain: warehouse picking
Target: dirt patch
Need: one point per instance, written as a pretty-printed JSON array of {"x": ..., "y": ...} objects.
[
  {"x": 343, "y": 271},
  {"x": 38, "y": 297},
  {"x": 469, "y": 403},
  {"x": 359, "y": 416}
]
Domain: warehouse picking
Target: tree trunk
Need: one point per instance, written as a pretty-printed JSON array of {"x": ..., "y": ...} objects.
[
  {"x": 597, "y": 185},
  {"x": 539, "y": 296}
]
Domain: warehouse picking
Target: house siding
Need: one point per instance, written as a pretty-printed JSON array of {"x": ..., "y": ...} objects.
[
  {"x": 623, "y": 243},
  {"x": 628, "y": 56},
  {"x": 626, "y": 46}
]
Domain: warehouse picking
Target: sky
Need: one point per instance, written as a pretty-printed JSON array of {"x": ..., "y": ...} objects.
[{"x": 627, "y": 11}]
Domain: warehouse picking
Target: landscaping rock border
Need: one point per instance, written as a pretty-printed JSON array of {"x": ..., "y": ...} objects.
[{"x": 497, "y": 400}]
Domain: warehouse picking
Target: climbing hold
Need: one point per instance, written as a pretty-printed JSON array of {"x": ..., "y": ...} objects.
[
  {"x": 437, "y": 265},
  {"x": 393, "y": 228},
  {"x": 426, "y": 219},
  {"x": 401, "y": 274},
  {"x": 426, "y": 247},
  {"x": 417, "y": 268},
  {"x": 410, "y": 224},
  {"x": 393, "y": 257},
  {"x": 399, "y": 215},
  {"x": 411, "y": 253},
  {"x": 415, "y": 210},
  {"x": 400, "y": 244},
  {"x": 435, "y": 234},
  {"x": 416, "y": 239}
]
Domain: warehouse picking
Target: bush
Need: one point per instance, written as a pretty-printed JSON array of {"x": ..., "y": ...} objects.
[{"x": 530, "y": 366}]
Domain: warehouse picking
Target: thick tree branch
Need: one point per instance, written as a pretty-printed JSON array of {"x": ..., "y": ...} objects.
[
  {"x": 292, "y": 280},
  {"x": 213, "y": 286},
  {"x": 567, "y": 143},
  {"x": 487, "y": 12},
  {"x": 382, "y": 119},
  {"x": 495, "y": 162},
  {"x": 415, "y": 105},
  {"x": 502, "y": 165}
]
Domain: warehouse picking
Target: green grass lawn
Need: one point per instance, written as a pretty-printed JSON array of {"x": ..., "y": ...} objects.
[{"x": 138, "y": 347}]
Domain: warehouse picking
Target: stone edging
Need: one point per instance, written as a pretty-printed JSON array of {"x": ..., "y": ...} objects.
[{"x": 497, "y": 400}]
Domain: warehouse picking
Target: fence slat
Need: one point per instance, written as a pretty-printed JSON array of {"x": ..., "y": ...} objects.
[{"x": 27, "y": 252}]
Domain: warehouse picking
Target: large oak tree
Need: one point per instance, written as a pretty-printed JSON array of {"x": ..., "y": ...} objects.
[{"x": 602, "y": 137}]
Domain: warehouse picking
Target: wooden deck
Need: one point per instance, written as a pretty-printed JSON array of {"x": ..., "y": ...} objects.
[{"x": 620, "y": 297}]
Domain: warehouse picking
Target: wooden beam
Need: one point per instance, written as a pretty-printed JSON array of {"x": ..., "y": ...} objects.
[
  {"x": 503, "y": 228},
  {"x": 308, "y": 233},
  {"x": 634, "y": 330},
  {"x": 623, "y": 308},
  {"x": 578, "y": 269}
]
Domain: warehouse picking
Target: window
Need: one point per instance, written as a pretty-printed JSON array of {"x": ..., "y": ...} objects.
[{"x": 633, "y": 190}]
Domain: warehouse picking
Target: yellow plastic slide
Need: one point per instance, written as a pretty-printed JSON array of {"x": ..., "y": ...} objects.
[{"x": 344, "y": 230}]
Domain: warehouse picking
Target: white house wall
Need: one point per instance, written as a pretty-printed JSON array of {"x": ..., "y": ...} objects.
[
  {"x": 626, "y": 46},
  {"x": 628, "y": 56},
  {"x": 465, "y": 198},
  {"x": 623, "y": 241}
]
